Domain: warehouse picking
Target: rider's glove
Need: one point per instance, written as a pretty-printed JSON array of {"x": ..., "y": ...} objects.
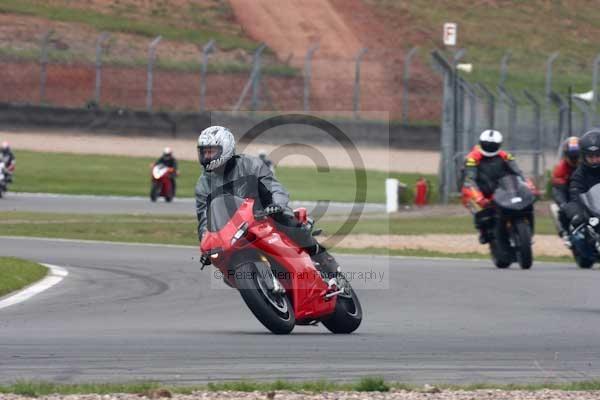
[
  {"x": 273, "y": 209},
  {"x": 205, "y": 260},
  {"x": 577, "y": 220},
  {"x": 483, "y": 202}
]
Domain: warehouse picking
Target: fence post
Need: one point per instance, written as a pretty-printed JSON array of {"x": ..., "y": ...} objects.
[
  {"x": 595, "y": 88},
  {"x": 150, "y": 78},
  {"x": 102, "y": 38},
  {"x": 584, "y": 108},
  {"x": 43, "y": 64},
  {"x": 537, "y": 116},
  {"x": 549, "y": 64},
  {"x": 504, "y": 68},
  {"x": 255, "y": 102},
  {"x": 206, "y": 50},
  {"x": 511, "y": 102},
  {"x": 405, "y": 80},
  {"x": 470, "y": 131},
  {"x": 308, "y": 75},
  {"x": 251, "y": 79},
  {"x": 446, "y": 139},
  {"x": 562, "y": 109},
  {"x": 458, "y": 101},
  {"x": 356, "y": 98},
  {"x": 491, "y": 105}
]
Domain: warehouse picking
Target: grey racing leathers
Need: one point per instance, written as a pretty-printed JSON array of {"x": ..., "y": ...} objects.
[{"x": 270, "y": 191}]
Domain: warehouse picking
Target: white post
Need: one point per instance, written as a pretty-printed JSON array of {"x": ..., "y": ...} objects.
[{"x": 391, "y": 194}]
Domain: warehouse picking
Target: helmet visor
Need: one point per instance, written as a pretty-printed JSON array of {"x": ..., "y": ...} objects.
[
  {"x": 208, "y": 154},
  {"x": 593, "y": 159},
  {"x": 490, "y": 147}
]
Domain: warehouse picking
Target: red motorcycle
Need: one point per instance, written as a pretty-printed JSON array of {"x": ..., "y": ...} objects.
[
  {"x": 277, "y": 279},
  {"x": 161, "y": 184}
]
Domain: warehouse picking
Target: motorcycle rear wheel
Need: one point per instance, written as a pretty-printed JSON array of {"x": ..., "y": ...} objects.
[
  {"x": 273, "y": 310},
  {"x": 348, "y": 313}
]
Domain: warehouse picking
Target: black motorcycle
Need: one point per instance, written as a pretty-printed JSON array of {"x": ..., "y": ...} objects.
[
  {"x": 585, "y": 239},
  {"x": 510, "y": 223}
]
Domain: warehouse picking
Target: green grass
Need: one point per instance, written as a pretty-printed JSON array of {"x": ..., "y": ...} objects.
[
  {"x": 367, "y": 384},
  {"x": 116, "y": 22},
  {"x": 181, "y": 229},
  {"x": 487, "y": 31},
  {"x": 15, "y": 274},
  {"x": 130, "y": 176},
  {"x": 216, "y": 67}
]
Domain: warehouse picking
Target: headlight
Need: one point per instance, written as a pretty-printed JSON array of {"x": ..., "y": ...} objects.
[
  {"x": 243, "y": 228},
  {"x": 594, "y": 221}
]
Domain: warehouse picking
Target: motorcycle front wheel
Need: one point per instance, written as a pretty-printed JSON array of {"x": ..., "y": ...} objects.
[
  {"x": 348, "y": 312},
  {"x": 523, "y": 244},
  {"x": 274, "y": 310},
  {"x": 154, "y": 191}
]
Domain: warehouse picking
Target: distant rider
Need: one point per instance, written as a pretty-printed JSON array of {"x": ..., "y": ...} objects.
[
  {"x": 265, "y": 158},
  {"x": 8, "y": 157},
  {"x": 585, "y": 176},
  {"x": 561, "y": 178},
  {"x": 485, "y": 165},
  {"x": 216, "y": 154},
  {"x": 168, "y": 160}
]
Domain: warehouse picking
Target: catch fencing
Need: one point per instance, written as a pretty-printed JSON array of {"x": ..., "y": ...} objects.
[
  {"x": 112, "y": 71},
  {"x": 533, "y": 124}
]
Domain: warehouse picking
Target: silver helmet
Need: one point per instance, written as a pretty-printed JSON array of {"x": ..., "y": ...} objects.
[{"x": 216, "y": 146}]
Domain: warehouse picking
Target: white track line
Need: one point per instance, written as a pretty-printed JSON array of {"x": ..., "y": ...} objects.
[{"x": 55, "y": 275}]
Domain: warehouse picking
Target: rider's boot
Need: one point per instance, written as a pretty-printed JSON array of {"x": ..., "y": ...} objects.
[{"x": 325, "y": 262}]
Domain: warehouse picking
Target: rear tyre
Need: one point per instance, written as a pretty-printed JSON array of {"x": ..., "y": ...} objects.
[
  {"x": 273, "y": 310},
  {"x": 523, "y": 244},
  {"x": 348, "y": 312},
  {"x": 154, "y": 191}
]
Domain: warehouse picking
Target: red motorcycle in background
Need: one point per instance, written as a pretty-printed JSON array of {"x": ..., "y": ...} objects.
[
  {"x": 277, "y": 279},
  {"x": 161, "y": 184}
]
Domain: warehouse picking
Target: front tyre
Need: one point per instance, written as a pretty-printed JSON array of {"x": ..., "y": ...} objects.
[
  {"x": 500, "y": 251},
  {"x": 274, "y": 310},
  {"x": 583, "y": 262},
  {"x": 347, "y": 316},
  {"x": 523, "y": 244},
  {"x": 154, "y": 191}
]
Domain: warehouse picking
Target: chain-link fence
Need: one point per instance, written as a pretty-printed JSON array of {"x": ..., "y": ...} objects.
[
  {"x": 533, "y": 124},
  {"x": 111, "y": 71}
]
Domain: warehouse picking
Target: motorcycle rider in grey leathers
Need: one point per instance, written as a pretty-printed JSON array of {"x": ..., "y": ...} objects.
[{"x": 216, "y": 154}]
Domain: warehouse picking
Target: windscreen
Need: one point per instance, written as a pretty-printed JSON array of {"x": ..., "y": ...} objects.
[
  {"x": 220, "y": 211},
  {"x": 591, "y": 199},
  {"x": 225, "y": 200}
]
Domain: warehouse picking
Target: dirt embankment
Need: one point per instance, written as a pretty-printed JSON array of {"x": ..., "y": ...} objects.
[{"x": 342, "y": 28}]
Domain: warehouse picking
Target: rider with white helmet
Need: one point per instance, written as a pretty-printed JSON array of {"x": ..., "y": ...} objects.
[
  {"x": 484, "y": 166},
  {"x": 168, "y": 160},
  {"x": 8, "y": 157},
  {"x": 247, "y": 175}
]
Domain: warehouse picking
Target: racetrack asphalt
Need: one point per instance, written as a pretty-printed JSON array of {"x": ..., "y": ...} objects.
[
  {"x": 84, "y": 204},
  {"x": 144, "y": 312}
]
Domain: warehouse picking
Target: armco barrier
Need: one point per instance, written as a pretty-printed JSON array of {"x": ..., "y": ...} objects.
[{"x": 187, "y": 125}]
